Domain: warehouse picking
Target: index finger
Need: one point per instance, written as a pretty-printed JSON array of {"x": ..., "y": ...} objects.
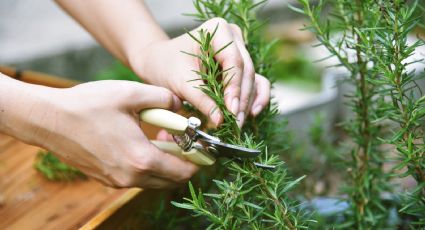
[
  {"x": 168, "y": 166},
  {"x": 230, "y": 59}
]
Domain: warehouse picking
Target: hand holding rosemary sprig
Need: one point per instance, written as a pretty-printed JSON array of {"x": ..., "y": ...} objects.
[
  {"x": 131, "y": 34},
  {"x": 163, "y": 63}
]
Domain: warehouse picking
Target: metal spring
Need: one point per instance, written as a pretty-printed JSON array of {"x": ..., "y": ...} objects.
[{"x": 184, "y": 141}]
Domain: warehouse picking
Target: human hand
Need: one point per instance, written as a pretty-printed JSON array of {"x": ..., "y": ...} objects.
[
  {"x": 162, "y": 63},
  {"x": 95, "y": 127}
]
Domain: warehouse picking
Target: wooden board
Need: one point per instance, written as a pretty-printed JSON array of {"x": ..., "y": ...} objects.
[{"x": 29, "y": 201}]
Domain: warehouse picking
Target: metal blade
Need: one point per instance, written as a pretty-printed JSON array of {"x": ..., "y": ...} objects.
[{"x": 221, "y": 149}]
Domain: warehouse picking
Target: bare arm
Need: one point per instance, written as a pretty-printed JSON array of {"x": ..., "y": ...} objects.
[
  {"x": 117, "y": 25},
  {"x": 19, "y": 116}
]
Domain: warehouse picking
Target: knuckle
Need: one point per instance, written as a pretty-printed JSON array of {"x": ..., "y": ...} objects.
[
  {"x": 216, "y": 20},
  {"x": 204, "y": 103},
  {"x": 142, "y": 166},
  {"x": 232, "y": 90},
  {"x": 267, "y": 83},
  {"x": 166, "y": 98},
  {"x": 123, "y": 181},
  {"x": 182, "y": 179},
  {"x": 244, "y": 101},
  {"x": 236, "y": 28},
  {"x": 262, "y": 82},
  {"x": 108, "y": 183},
  {"x": 235, "y": 62},
  {"x": 128, "y": 94},
  {"x": 250, "y": 72},
  {"x": 238, "y": 61},
  {"x": 187, "y": 174}
]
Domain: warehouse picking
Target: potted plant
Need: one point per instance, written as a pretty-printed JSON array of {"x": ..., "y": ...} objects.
[{"x": 386, "y": 123}]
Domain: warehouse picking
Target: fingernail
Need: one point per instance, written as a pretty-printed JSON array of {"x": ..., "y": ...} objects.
[
  {"x": 257, "y": 109},
  {"x": 176, "y": 103},
  {"x": 235, "y": 105},
  {"x": 216, "y": 117},
  {"x": 241, "y": 119}
]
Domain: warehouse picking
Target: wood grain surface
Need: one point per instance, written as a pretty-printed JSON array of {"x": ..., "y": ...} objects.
[{"x": 29, "y": 201}]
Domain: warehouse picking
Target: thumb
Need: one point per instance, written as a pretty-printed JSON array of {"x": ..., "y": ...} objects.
[{"x": 148, "y": 96}]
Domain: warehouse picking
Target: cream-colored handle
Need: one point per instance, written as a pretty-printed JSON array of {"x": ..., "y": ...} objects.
[
  {"x": 193, "y": 155},
  {"x": 169, "y": 147},
  {"x": 172, "y": 122}
]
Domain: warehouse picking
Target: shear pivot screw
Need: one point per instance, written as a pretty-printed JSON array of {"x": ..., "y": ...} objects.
[
  {"x": 194, "y": 122},
  {"x": 212, "y": 150}
]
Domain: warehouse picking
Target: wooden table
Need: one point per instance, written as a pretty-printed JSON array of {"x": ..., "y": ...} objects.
[{"x": 29, "y": 201}]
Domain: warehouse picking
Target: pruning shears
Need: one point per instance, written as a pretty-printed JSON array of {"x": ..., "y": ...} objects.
[{"x": 190, "y": 142}]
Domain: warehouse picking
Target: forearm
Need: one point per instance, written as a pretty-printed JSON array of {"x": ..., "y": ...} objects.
[
  {"x": 123, "y": 27},
  {"x": 24, "y": 110}
]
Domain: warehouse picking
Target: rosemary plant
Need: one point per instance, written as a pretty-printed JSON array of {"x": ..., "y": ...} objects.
[
  {"x": 372, "y": 46},
  {"x": 406, "y": 104},
  {"x": 248, "y": 197}
]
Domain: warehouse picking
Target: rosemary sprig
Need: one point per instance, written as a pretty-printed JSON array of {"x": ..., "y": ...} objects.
[
  {"x": 55, "y": 170},
  {"x": 212, "y": 75},
  {"x": 248, "y": 197}
]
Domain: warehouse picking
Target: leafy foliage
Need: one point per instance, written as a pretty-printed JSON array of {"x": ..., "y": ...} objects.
[
  {"x": 316, "y": 156},
  {"x": 55, "y": 170},
  {"x": 297, "y": 71},
  {"x": 249, "y": 196},
  {"x": 117, "y": 71},
  {"x": 373, "y": 47},
  {"x": 406, "y": 105}
]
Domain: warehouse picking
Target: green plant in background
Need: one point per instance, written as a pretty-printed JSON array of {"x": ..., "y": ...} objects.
[
  {"x": 298, "y": 71},
  {"x": 55, "y": 170},
  {"x": 366, "y": 179},
  {"x": 248, "y": 197},
  {"x": 406, "y": 104},
  {"x": 117, "y": 71},
  {"x": 316, "y": 156},
  {"x": 372, "y": 46}
]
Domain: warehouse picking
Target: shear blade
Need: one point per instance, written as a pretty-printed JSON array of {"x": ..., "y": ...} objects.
[{"x": 230, "y": 151}]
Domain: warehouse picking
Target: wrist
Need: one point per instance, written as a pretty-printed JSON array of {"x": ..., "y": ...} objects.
[
  {"x": 26, "y": 110},
  {"x": 149, "y": 60},
  {"x": 138, "y": 60}
]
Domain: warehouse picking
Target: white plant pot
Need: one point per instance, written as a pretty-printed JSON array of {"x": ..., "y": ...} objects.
[{"x": 300, "y": 108}]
